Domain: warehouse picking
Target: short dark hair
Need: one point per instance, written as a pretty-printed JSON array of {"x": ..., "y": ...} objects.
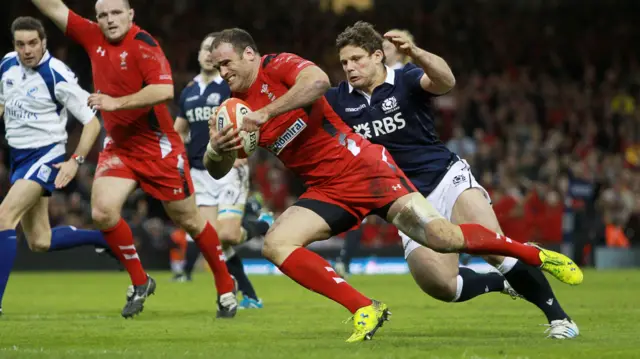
[
  {"x": 238, "y": 38},
  {"x": 28, "y": 23},
  {"x": 126, "y": 4},
  {"x": 362, "y": 34}
]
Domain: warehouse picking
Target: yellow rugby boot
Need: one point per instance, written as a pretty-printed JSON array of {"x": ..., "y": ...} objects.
[
  {"x": 367, "y": 320},
  {"x": 559, "y": 266}
]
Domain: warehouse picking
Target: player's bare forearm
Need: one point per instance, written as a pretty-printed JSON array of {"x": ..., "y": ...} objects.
[
  {"x": 90, "y": 133},
  {"x": 217, "y": 169},
  {"x": 440, "y": 78},
  {"x": 149, "y": 96},
  {"x": 1, "y": 110},
  {"x": 182, "y": 128},
  {"x": 55, "y": 10},
  {"x": 310, "y": 85}
]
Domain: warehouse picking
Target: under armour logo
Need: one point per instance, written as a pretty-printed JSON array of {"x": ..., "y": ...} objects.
[
  {"x": 101, "y": 51},
  {"x": 396, "y": 187},
  {"x": 550, "y": 301},
  {"x": 177, "y": 190}
]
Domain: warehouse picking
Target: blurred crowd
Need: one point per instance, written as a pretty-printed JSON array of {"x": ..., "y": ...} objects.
[{"x": 545, "y": 108}]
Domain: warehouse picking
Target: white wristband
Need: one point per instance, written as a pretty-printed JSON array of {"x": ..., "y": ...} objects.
[{"x": 212, "y": 154}]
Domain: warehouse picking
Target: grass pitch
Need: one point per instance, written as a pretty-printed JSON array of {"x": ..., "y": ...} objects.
[{"x": 77, "y": 315}]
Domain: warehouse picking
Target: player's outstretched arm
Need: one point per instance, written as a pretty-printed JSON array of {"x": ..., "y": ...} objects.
[
  {"x": 55, "y": 10},
  {"x": 311, "y": 84},
  {"x": 438, "y": 77}
]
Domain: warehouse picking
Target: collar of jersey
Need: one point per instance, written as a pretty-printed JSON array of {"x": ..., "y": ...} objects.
[
  {"x": 217, "y": 79},
  {"x": 390, "y": 79},
  {"x": 44, "y": 59}
]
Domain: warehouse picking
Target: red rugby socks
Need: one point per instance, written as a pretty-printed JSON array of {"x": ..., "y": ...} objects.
[
  {"x": 120, "y": 240},
  {"x": 211, "y": 249},
  {"x": 314, "y": 273},
  {"x": 480, "y": 240}
]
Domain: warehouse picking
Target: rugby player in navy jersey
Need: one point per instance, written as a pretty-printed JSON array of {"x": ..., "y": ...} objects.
[
  {"x": 222, "y": 201},
  {"x": 393, "y": 108},
  {"x": 395, "y": 60}
]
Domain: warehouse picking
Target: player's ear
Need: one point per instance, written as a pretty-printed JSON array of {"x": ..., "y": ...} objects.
[
  {"x": 131, "y": 14},
  {"x": 44, "y": 45},
  {"x": 378, "y": 56},
  {"x": 249, "y": 53}
]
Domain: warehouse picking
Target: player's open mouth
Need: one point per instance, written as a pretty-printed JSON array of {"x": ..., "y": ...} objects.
[
  {"x": 230, "y": 78},
  {"x": 353, "y": 78}
]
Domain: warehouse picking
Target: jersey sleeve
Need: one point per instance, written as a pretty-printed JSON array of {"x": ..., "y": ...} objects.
[
  {"x": 3, "y": 67},
  {"x": 70, "y": 94},
  {"x": 412, "y": 75},
  {"x": 152, "y": 62},
  {"x": 285, "y": 67},
  {"x": 81, "y": 30}
]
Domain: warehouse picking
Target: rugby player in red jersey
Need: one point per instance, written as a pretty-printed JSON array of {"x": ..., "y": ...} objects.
[
  {"x": 132, "y": 80},
  {"x": 346, "y": 176}
]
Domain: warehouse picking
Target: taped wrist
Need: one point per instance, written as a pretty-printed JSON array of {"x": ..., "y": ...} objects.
[{"x": 212, "y": 154}]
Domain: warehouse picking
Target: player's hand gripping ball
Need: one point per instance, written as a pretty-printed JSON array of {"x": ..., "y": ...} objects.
[{"x": 232, "y": 111}]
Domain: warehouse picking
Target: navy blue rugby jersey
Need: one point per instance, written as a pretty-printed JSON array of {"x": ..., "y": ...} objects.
[
  {"x": 399, "y": 116},
  {"x": 198, "y": 101}
]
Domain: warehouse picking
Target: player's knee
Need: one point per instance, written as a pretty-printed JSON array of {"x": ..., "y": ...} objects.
[
  {"x": 443, "y": 289},
  {"x": 274, "y": 248},
  {"x": 445, "y": 292},
  {"x": 434, "y": 276},
  {"x": 188, "y": 218},
  {"x": 104, "y": 217},
  {"x": 419, "y": 220},
  {"x": 194, "y": 225},
  {"x": 229, "y": 233},
  {"x": 39, "y": 242}
]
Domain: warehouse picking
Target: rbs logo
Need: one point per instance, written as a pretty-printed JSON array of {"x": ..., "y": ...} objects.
[
  {"x": 201, "y": 113},
  {"x": 380, "y": 127}
]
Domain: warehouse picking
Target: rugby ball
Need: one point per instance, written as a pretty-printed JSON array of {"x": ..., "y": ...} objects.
[{"x": 232, "y": 111}]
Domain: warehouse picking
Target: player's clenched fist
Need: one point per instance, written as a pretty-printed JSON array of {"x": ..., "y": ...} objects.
[
  {"x": 103, "y": 102},
  {"x": 254, "y": 120},
  {"x": 402, "y": 42}
]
